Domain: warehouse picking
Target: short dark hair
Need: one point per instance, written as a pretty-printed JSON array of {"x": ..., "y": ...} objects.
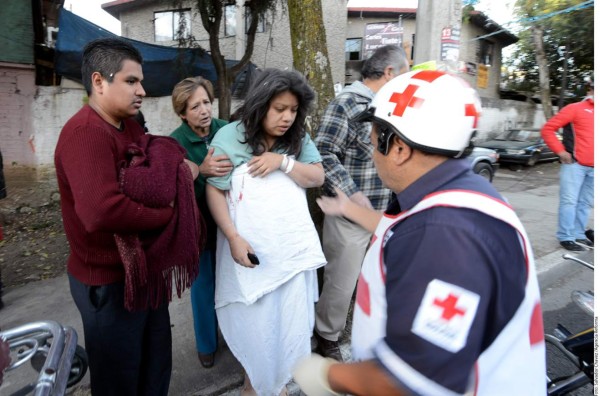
[
  {"x": 388, "y": 55},
  {"x": 106, "y": 56},
  {"x": 267, "y": 84}
]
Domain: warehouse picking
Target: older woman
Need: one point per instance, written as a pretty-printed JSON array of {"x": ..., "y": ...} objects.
[
  {"x": 267, "y": 248},
  {"x": 192, "y": 102}
]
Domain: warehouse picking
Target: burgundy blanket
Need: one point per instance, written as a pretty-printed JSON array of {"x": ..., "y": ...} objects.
[{"x": 157, "y": 176}]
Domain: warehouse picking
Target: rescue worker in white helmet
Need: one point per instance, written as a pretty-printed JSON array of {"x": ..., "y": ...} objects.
[{"x": 447, "y": 301}]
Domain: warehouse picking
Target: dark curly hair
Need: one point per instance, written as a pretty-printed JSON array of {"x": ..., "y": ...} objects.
[{"x": 265, "y": 85}]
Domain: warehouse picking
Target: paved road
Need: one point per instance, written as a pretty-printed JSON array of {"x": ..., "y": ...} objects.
[{"x": 533, "y": 192}]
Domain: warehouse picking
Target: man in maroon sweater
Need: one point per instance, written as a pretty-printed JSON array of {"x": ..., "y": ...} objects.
[
  {"x": 129, "y": 352},
  {"x": 576, "y": 170}
]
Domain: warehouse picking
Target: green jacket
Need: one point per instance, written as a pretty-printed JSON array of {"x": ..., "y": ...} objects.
[{"x": 197, "y": 148}]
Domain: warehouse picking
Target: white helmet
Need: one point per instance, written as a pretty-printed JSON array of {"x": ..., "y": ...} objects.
[{"x": 429, "y": 110}]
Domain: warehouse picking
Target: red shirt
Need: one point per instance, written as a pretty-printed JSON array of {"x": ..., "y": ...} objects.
[
  {"x": 581, "y": 115},
  {"x": 88, "y": 156}
]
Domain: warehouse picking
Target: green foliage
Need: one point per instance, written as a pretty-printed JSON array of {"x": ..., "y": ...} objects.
[
  {"x": 568, "y": 40},
  {"x": 466, "y": 13},
  {"x": 211, "y": 13}
]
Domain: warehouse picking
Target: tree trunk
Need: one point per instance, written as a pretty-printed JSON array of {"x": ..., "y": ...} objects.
[
  {"x": 309, "y": 49},
  {"x": 563, "y": 82},
  {"x": 542, "y": 61},
  {"x": 211, "y": 13}
]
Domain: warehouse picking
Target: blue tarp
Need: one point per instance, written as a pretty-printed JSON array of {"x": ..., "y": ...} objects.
[{"x": 163, "y": 67}]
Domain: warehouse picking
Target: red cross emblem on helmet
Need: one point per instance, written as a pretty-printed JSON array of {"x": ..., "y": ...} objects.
[
  {"x": 430, "y": 109},
  {"x": 407, "y": 98}
]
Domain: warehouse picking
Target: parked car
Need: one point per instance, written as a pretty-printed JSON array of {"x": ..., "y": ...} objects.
[
  {"x": 484, "y": 162},
  {"x": 521, "y": 146}
]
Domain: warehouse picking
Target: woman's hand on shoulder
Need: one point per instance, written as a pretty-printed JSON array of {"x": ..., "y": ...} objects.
[
  {"x": 264, "y": 164},
  {"x": 215, "y": 165}
]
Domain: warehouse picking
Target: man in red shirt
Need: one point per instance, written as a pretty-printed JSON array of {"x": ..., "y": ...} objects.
[
  {"x": 129, "y": 352},
  {"x": 576, "y": 171}
]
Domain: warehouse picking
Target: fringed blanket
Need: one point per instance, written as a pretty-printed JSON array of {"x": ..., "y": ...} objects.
[{"x": 156, "y": 176}]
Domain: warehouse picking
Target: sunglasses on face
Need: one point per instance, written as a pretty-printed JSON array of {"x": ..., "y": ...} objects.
[{"x": 384, "y": 137}]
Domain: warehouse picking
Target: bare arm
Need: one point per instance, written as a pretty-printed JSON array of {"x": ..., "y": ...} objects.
[
  {"x": 363, "y": 378},
  {"x": 341, "y": 205},
  {"x": 305, "y": 175},
  {"x": 217, "y": 203},
  {"x": 308, "y": 175}
]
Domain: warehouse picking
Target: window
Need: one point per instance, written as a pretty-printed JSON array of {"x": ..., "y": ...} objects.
[
  {"x": 230, "y": 21},
  {"x": 486, "y": 50},
  {"x": 172, "y": 25},
  {"x": 261, "y": 22},
  {"x": 353, "y": 49}
]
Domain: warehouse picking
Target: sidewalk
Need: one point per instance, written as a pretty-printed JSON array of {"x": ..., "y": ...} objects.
[{"x": 51, "y": 300}]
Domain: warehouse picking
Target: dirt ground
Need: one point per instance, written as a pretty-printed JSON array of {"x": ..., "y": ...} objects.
[{"x": 34, "y": 246}]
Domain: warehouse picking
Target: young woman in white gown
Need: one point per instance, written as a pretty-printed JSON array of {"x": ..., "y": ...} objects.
[{"x": 266, "y": 310}]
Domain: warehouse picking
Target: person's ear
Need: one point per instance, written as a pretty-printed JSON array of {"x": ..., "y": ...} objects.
[
  {"x": 400, "y": 151},
  {"x": 97, "y": 81},
  {"x": 388, "y": 72}
]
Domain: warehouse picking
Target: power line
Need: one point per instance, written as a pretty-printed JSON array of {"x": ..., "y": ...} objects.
[{"x": 577, "y": 7}]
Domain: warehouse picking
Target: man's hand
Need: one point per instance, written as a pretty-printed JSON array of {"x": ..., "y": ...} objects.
[
  {"x": 361, "y": 199},
  {"x": 333, "y": 206},
  {"x": 311, "y": 376},
  {"x": 565, "y": 157},
  {"x": 215, "y": 166}
]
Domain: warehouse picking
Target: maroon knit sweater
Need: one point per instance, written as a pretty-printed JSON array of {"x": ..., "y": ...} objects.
[{"x": 87, "y": 158}]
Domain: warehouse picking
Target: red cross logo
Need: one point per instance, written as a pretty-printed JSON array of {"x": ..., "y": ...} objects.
[
  {"x": 405, "y": 99},
  {"x": 470, "y": 110},
  {"x": 408, "y": 98},
  {"x": 449, "y": 306}
]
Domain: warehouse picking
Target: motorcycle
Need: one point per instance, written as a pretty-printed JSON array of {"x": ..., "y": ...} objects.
[
  {"x": 52, "y": 351},
  {"x": 577, "y": 348}
]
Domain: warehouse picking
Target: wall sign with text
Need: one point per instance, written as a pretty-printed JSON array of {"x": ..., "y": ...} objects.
[{"x": 380, "y": 34}]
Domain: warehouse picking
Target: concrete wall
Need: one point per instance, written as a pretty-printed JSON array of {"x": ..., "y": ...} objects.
[
  {"x": 335, "y": 18},
  {"x": 272, "y": 48},
  {"x": 469, "y": 52},
  {"x": 17, "y": 94},
  {"x": 469, "y": 48},
  {"x": 31, "y": 120},
  {"x": 499, "y": 115},
  {"x": 432, "y": 17},
  {"x": 49, "y": 109}
]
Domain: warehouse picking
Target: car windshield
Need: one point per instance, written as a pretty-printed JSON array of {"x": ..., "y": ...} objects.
[{"x": 523, "y": 135}]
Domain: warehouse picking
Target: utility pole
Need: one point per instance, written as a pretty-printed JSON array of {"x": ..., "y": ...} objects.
[{"x": 437, "y": 33}]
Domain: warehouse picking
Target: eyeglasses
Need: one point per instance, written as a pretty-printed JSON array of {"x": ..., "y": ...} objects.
[{"x": 384, "y": 137}]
